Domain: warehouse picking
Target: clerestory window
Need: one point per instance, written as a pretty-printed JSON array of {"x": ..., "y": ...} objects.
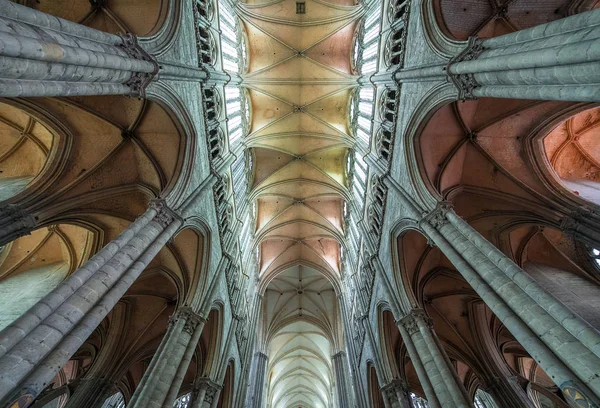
[
  {"x": 185, "y": 401},
  {"x": 418, "y": 402},
  {"x": 114, "y": 401},
  {"x": 483, "y": 400}
]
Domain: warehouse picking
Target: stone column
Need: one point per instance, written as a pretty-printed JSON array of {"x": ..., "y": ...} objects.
[
  {"x": 207, "y": 394},
  {"x": 257, "y": 380},
  {"x": 36, "y": 345},
  {"x": 553, "y": 61},
  {"x": 161, "y": 382},
  {"x": 407, "y": 331},
  {"x": 43, "y": 55},
  {"x": 90, "y": 393},
  {"x": 340, "y": 364},
  {"x": 396, "y": 393},
  {"x": 564, "y": 345},
  {"x": 442, "y": 379}
]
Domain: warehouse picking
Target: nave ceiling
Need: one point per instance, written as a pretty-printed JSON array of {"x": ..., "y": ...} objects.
[{"x": 300, "y": 81}]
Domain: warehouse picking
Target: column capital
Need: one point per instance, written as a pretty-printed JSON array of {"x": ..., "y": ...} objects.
[
  {"x": 410, "y": 320},
  {"x": 139, "y": 80},
  {"x": 437, "y": 216},
  {"x": 391, "y": 390},
  {"x": 339, "y": 354},
  {"x": 165, "y": 215},
  {"x": 191, "y": 318},
  {"x": 466, "y": 83},
  {"x": 211, "y": 388}
]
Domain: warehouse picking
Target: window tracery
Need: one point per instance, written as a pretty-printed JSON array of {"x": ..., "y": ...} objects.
[
  {"x": 595, "y": 255},
  {"x": 483, "y": 400},
  {"x": 418, "y": 402},
  {"x": 396, "y": 40},
  {"x": 184, "y": 401},
  {"x": 114, "y": 401},
  {"x": 233, "y": 44}
]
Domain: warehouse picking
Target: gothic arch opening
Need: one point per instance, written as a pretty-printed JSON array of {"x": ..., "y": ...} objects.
[
  {"x": 209, "y": 346},
  {"x": 122, "y": 153},
  {"x": 29, "y": 148},
  {"x": 140, "y": 17},
  {"x": 227, "y": 396},
  {"x": 300, "y": 331},
  {"x": 465, "y": 18},
  {"x": 375, "y": 396}
]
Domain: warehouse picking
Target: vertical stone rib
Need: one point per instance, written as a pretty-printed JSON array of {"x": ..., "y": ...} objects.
[
  {"x": 185, "y": 361},
  {"x": 454, "y": 387},
  {"x": 577, "y": 327}
]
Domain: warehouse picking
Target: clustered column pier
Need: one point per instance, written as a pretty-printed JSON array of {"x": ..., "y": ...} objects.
[
  {"x": 563, "y": 344},
  {"x": 35, "y": 346},
  {"x": 43, "y": 55}
]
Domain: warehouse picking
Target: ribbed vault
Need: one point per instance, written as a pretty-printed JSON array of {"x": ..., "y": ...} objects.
[{"x": 299, "y": 82}]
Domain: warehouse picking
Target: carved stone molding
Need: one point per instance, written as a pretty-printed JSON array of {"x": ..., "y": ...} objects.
[
  {"x": 411, "y": 319},
  {"x": 139, "y": 81},
  {"x": 165, "y": 215},
  {"x": 466, "y": 83},
  {"x": 437, "y": 217},
  {"x": 394, "y": 389},
  {"x": 410, "y": 324},
  {"x": 15, "y": 223}
]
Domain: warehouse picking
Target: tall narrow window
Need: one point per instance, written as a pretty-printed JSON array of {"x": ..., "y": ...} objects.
[
  {"x": 230, "y": 38},
  {"x": 483, "y": 400},
  {"x": 115, "y": 401},
  {"x": 300, "y": 7}
]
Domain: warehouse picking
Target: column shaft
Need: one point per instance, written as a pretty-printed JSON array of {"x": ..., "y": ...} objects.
[
  {"x": 564, "y": 358},
  {"x": 341, "y": 379},
  {"x": 42, "y": 55},
  {"x": 161, "y": 381},
  {"x": 90, "y": 393},
  {"x": 418, "y": 365},
  {"x": 555, "y": 61},
  {"x": 185, "y": 362},
  {"x": 396, "y": 394},
  {"x": 453, "y": 384},
  {"x": 37, "y": 345},
  {"x": 207, "y": 395},
  {"x": 447, "y": 387},
  {"x": 257, "y": 384}
]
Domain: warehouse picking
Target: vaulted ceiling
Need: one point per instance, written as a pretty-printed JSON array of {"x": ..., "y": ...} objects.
[{"x": 299, "y": 82}]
